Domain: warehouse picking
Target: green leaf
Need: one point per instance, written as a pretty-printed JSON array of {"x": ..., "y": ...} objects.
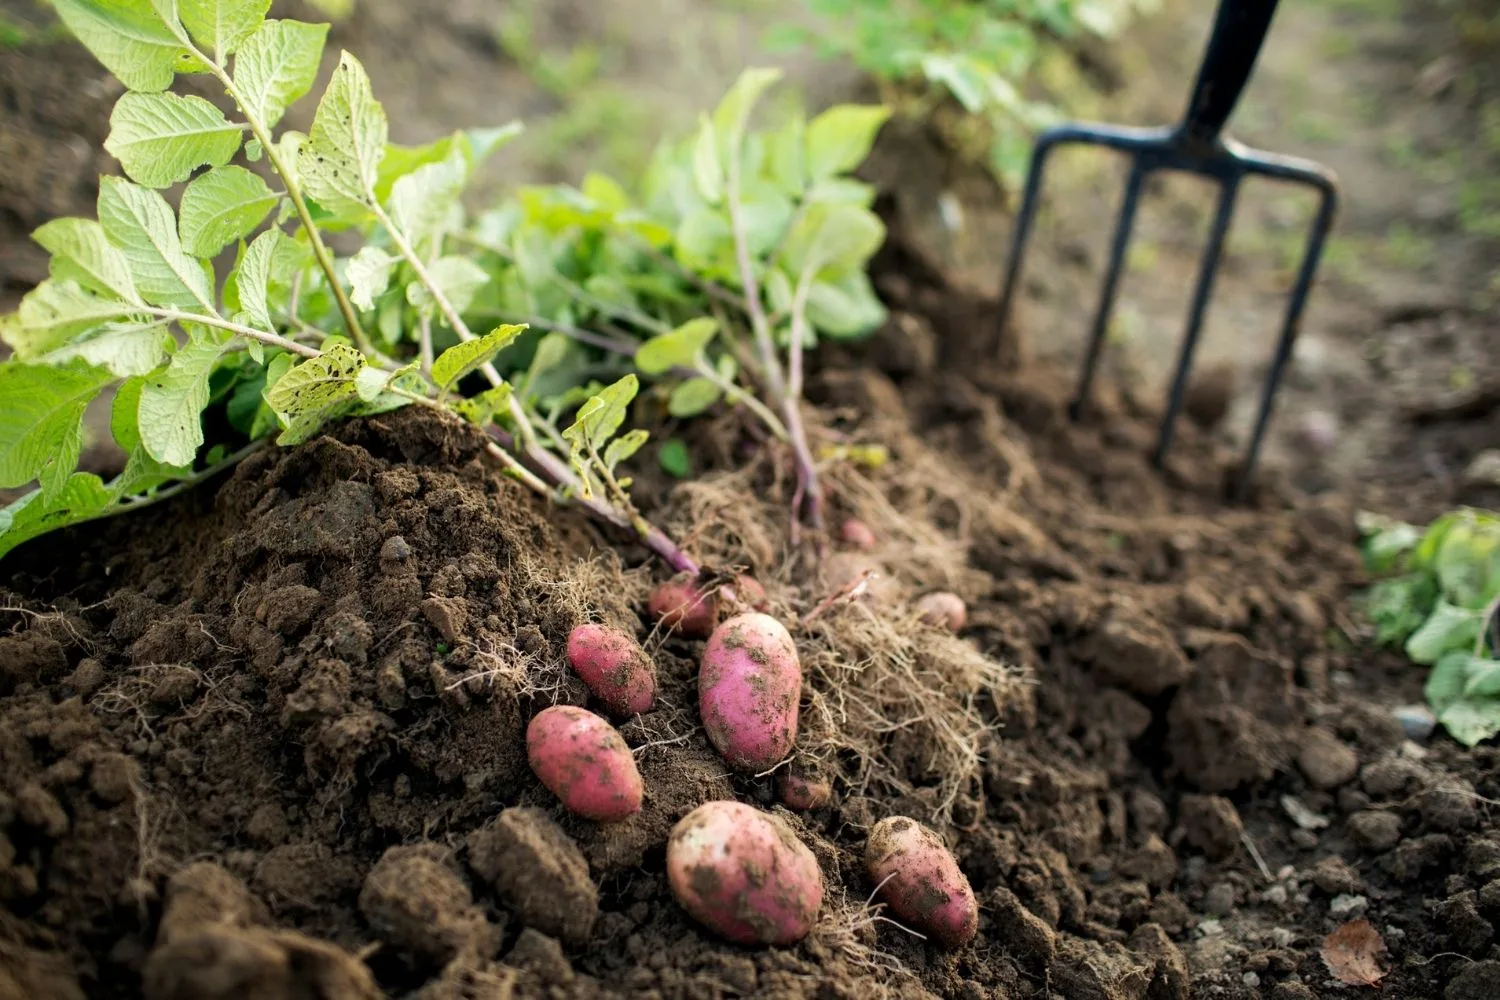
[
  {"x": 677, "y": 348},
  {"x": 786, "y": 156},
  {"x": 733, "y": 113},
  {"x": 845, "y": 308},
  {"x": 675, "y": 459},
  {"x": 54, "y": 312},
  {"x": 839, "y": 139},
  {"x": 277, "y": 65},
  {"x": 624, "y": 446},
  {"x": 423, "y": 202},
  {"x": 124, "y": 414},
  {"x": 80, "y": 497},
  {"x": 469, "y": 356},
  {"x": 1446, "y": 681},
  {"x": 316, "y": 391},
  {"x": 222, "y": 26},
  {"x": 458, "y": 278},
  {"x": 160, "y": 139},
  {"x": 1399, "y": 606},
  {"x": 692, "y": 397},
  {"x": 1467, "y": 560},
  {"x": 221, "y": 206},
  {"x": 832, "y": 240},
  {"x": 1384, "y": 548},
  {"x": 601, "y": 415},
  {"x": 82, "y": 253},
  {"x": 139, "y": 223},
  {"x": 481, "y": 409},
  {"x": 708, "y": 171},
  {"x": 340, "y": 161},
  {"x": 124, "y": 349},
  {"x": 130, "y": 40},
  {"x": 369, "y": 274},
  {"x": 1449, "y": 628},
  {"x": 1472, "y": 721},
  {"x": 551, "y": 350},
  {"x": 172, "y": 404},
  {"x": 253, "y": 277},
  {"x": 41, "y": 433}
]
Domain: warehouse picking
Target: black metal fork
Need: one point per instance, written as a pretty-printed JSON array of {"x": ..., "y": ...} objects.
[{"x": 1197, "y": 146}]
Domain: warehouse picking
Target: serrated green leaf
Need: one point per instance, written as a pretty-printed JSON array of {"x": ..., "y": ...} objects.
[
  {"x": 675, "y": 459},
  {"x": 130, "y": 40},
  {"x": 369, "y": 274},
  {"x": 462, "y": 359},
  {"x": 340, "y": 161},
  {"x": 693, "y": 396},
  {"x": 481, "y": 409},
  {"x": 316, "y": 391},
  {"x": 221, "y": 206},
  {"x": 601, "y": 415},
  {"x": 80, "y": 497},
  {"x": 708, "y": 170},
  {"x": 423, "y": 201},
  {"x": 82, "y": 253},
  {"x": 160, "y": 139},
  {"x": 56, "y": 311},
  {"x": 41, "y": 433},
  {"x": 846, "y": 307},
  {"x": 1471, "y": 722},
  {"x": 1449, "y": 628},
  {"x": 677, "y": 348},
  {"x": 172, "y": 403},
  {"x": 124, "y": 349},
  {"x": 222, "y": 26},
  {"x": 624, "y": 446},
  {"x": 839, "y": 139},
  {"x": 139, "y": 223},
  {"x": 458, "y": 278},
  {"x": 276, "y": 65}
]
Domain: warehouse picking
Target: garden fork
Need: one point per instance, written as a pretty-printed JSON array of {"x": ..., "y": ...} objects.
[{"x": 1195, "y": 146}]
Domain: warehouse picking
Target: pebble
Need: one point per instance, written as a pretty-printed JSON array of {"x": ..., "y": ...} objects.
[
  {"x": 1275, "y": 896},
  {"x": 1417, "y": 722},
  {"x": 1347, "y": 907},
  {"x": 1305, "y": 839},
  {"x": 1219, "y": 900},
  {"x": 1281, "y": 937},
  {"x": 1484, "y": 470},
  {"x": 1376, "y": 831},
  {"x": 1326, "y": 761},
  {"x": 1251, "y": 979}
]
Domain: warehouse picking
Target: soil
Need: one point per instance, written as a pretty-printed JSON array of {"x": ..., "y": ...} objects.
[{"x": 265, "y": 741}]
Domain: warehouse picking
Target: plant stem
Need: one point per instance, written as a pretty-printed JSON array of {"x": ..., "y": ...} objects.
[
  {"x": 737, "y": 395},
  {"x": 293, "y": 190},
  {"x": 766, "y": 344},
  {"x": 424, "y": 343},
  {"x": 809, "y": 489},
  {"x": 614, "y": 345},
  {"x": 186, "y": 483},
  {"x": 248, "y": 332}
]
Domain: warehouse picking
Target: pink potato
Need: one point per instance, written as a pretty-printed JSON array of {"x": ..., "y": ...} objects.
[
  {"x": 920, "y": 881},
  {"x": 748, "y": 592},
  {"x": 857, "y": 534},
  {"x": 743, "y": 874},
  {"x": 615, "y": 668},
  {"x": 748, "y": 688},
  {"x": 943, "y": 610},
  {"x": 801, "y": 792},
  {"x": 585, "y": 763},
  {"x": 684, "y": 606}
]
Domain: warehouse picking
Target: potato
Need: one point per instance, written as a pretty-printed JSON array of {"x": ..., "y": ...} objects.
[
  {"x": 857, "y": 534},
  {"x": 615, "y": 668},
  {"x": 801, "y": 792},
  {"x": 943, "y": 610},
  {"x": 920, "y": 881},
  {"x": 748, "y": 688},
  {"x": 749, "y": 593},
  {"x": 585, "y": 763},
  {"x": 843, "y": 570},
  {"x": 682, "y": 605},
  {"x": 743, "y": 874}
]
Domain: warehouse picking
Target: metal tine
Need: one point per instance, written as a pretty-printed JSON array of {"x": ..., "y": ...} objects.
[{"x": 1124, "y": 222}]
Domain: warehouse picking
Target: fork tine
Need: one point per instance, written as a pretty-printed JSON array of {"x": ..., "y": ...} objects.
[
  {"x": 1124, "y": 222},
  {"x": 1024, "y": 219},
  {"x": 1211, "y": 255}
]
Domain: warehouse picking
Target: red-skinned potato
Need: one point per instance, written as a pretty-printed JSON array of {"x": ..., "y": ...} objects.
[
  {"x": 683, "y": 606},
  {"x": 748, "y": 688},
  {"x": 802, "y": 792},
  {"x": 749, "y": 592},
  {"x": 615, "y": 668},
  {"x": 943, "y": 610},
  {"x": 744, "y": 875},
  {"x": 843, "y": 570},
  {"x": 585, "y": 763},
  {"x": 857, "y": 534},
  {"x": 920, "y": 881}
]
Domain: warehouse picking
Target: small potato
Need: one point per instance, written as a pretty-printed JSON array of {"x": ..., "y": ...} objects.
[
  {"x": 843, "y": 570},
  {"x": 748, "y": 688},
  {"x": 743, "y": 874},
  {"x": 615, "y": 668},
  {"x": 857, "y": 535},
  {"x": 802, "y": 792},
  {"x": 920, "y": 881},
  {"x": 749, "y": 593},
  {"x": 944, "y": 610},
  {"x": 682, "y": 605},
  {"x": 585, "y": 763}
]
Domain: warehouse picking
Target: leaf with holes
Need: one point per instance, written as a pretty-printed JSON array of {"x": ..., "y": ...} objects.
[
  {"x": 340, "y": 161},
  {"x": 316, "y": 391}
]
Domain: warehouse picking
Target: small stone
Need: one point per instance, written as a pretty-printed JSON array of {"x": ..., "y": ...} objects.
[
  {"x": 1391, "y": 777},
  {"x": 1304, "y": 840},
  {"x": 1375, "y": 831},
  {"x": 1153, "y": 862},
  {"x": 1147, "y": 812},
  {"x": 1347, "y": 907},
  {"x": 1352, "y": 799},
  {"x": 1327, "y": 762},
  {"x": 1335, "y": 876},
  {"x": 1300, "y": 814},
  {"x": 1274, "y": 896},
  {"x": 394, "y": 551},
  {"x": 1250, "y": 979},
  {"x": 1484, "y": 471},
  {"x": 1219, "y": 900},
  {"x": 1417, "y": 722},
  {"x": 1281, "y": 937}
]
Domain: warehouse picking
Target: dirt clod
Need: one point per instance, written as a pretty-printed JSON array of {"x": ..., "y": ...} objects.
[
  {"x": 416, "y": 901},
  {"x": 1211, "y": 824},
  {"x": 538, "y": 872},
  {"x": 1325, "y": 760},
  {"x": 1375, "y": 830}
]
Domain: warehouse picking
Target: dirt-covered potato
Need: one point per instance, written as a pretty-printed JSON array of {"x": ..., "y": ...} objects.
[
  {"x": 615, "y": 668},
  {"x": 943, "y": 610},
  {"x": 801, "y": 792},
  {"x": 743, "y": 874},
  {"x": 683, "y": 606},
  {"x": 748, "y": 688},
  {"x": 585, "y": 763},
  {"x": 920, "y": 881}
]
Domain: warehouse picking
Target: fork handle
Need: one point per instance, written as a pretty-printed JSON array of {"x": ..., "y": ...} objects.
[{"x": 1239, "y": 29}]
